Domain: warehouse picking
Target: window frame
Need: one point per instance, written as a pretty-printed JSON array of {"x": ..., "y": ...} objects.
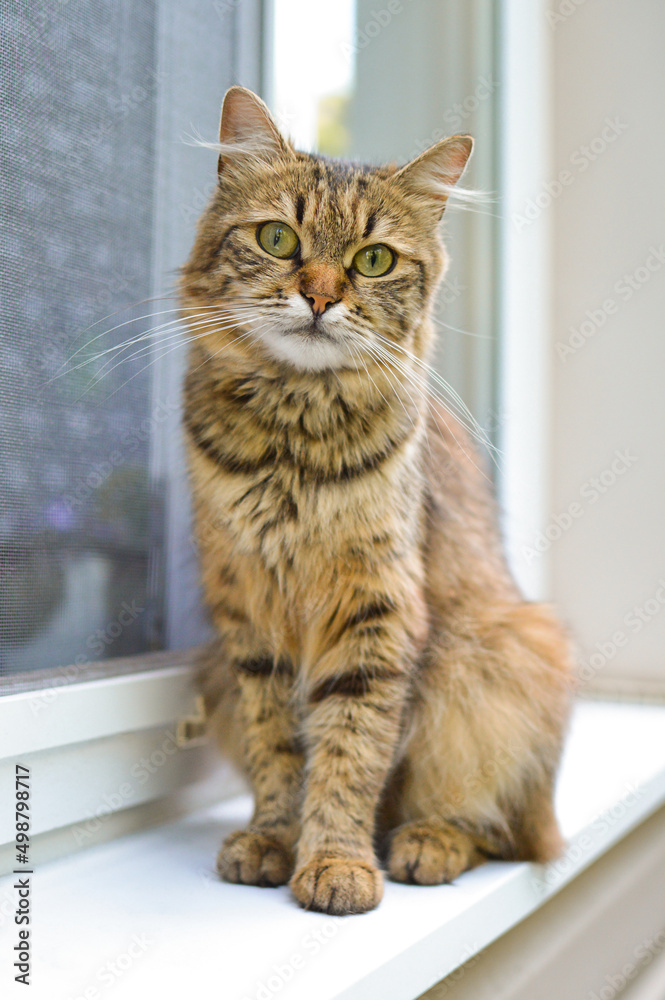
[
  {"x": 51, "y": 730},
  {"x": 525, "y": 367}
]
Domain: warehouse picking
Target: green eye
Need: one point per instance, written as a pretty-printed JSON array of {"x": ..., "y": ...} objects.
[
  {"x": 277, "y": 239},
  {"x": 374, "y": 261}
]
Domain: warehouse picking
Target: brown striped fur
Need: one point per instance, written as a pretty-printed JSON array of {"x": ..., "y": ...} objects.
[{"x": 378, "y": 676}]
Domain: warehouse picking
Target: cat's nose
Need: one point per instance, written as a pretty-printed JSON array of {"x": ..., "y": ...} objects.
[{"x": 319, "y": 303}]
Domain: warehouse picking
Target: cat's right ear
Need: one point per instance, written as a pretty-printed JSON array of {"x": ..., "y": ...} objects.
[{"x": 247, "y": 130}]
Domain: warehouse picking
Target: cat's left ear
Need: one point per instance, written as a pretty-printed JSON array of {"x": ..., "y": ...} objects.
[
  {"x": 247, "y": 130},
  {"x": 436, "y": 171}
]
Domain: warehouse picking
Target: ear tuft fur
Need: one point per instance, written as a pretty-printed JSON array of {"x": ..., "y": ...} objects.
[{"x": 436, "y": 171}]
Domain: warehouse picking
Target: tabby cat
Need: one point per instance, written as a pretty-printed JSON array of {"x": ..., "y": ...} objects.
[{"x": 395, "y": 703}]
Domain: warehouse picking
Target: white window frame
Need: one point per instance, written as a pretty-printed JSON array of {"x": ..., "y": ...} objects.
[
  {"x": 525, "y": 290},
  {"x": 82, "y": 743}
]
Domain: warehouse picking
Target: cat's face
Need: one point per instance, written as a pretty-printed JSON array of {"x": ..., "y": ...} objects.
[{"x": 322, "y": 263}]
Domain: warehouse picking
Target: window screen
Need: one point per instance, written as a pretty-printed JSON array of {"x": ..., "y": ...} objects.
[{"x": 98, "y": 195}]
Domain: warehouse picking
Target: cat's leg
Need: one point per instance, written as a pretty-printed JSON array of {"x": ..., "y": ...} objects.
[
  {"x": 262, "y": 854},
  {"x": 354, "y": 719}
]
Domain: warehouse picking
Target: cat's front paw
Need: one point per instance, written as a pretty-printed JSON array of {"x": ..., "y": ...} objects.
[
  {"x": 254, "y": 858},
  {"x": 429, "y": 853},
  {"x": 338, "y": 886}
]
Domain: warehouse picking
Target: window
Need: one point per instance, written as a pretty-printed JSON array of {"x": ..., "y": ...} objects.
[{"x": 99, "y": 201}]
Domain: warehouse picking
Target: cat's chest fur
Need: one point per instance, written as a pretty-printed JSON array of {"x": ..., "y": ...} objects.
[{"x": 288, "y": 473}]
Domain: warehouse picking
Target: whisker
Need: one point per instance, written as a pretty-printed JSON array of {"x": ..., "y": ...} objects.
[
  {"x": 137, "y": 319},
  {"x": 423, "y": 388},
  {"x": 404, "y": 373},
  {"x": 119, "y": 326},
  {"x": 457, "y": 329},
  {"x": 372, "y": 381},
  {"x": 384, "y": 369},
  {"x": 105, "y": 371},
  {"x": 467, "y": 418},
  {"x": 472, "y": 208},
  {"x": 131, "y": 305},
  {"x": 383, "y": 362},
  {"x": 145, "y": 335},
  {"x": 469, "y": 200},
  {"x": 163, "y": 355},
  {"x": 201, "y": 319},
  {"x": 178, "y": 335},
  {"x": 477, "y": 434}
]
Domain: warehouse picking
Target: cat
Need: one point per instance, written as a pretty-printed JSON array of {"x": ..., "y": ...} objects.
[{"x": 396, "y": 704}]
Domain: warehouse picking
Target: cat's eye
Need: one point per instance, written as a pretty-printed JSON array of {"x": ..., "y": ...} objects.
[
  {"x": 278, "y": 239},
  {"x": 374, "y": 261}
]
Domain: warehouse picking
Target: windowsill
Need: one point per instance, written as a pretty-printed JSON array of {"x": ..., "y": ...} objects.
[{"x": 204, "y": 937}]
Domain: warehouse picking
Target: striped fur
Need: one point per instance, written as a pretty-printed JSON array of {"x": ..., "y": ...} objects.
[{"x": 393, "y": 700}]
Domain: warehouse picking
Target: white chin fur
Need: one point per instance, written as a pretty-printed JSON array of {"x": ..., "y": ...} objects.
[{"x": 302, "y": 350}]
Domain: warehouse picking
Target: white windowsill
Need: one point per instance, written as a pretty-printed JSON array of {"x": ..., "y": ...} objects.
[{"x": 203, "y": 937}]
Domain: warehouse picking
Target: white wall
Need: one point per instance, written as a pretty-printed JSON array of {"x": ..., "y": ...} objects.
[{"x": 608, "y": 393}]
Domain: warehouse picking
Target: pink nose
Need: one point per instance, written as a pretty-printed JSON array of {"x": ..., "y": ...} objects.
[{"x": 319, "y": 303}]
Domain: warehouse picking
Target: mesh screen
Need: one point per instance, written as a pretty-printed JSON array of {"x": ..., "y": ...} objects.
[{"x": 81, "y": 516}]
